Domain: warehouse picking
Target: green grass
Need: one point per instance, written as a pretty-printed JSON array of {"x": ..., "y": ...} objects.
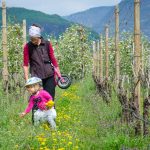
[{"x": 84, "y": 122}]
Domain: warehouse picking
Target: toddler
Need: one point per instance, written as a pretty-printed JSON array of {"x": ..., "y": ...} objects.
[{"x": 41, "y": 101}]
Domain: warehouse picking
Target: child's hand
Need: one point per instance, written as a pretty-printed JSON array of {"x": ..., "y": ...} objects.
[{"x": 22, "y": 114}]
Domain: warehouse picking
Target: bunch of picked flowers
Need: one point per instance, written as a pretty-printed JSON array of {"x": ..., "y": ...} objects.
[{"x": 50, "y": 104}]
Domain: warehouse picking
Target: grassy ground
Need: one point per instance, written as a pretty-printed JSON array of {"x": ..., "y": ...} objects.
[{"x": 84, "y": 122}]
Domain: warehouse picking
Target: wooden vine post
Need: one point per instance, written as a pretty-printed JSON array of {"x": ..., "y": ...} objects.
[
  {"x": 137, "y": 65},
  {"x": 106, "y": 53},
  {"x": 100, "y": 60},
  {"x": 24, "y": 32},
  {"x": 4, "y": 47},
  {"x": 94, "y": 61},
  {"x": 97, "y": 60},
  {"x": 24, "y": 42},
  {"x": 117, "y": 45}
]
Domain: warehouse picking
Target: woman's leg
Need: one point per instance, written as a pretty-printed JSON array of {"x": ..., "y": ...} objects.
[{"x": 49, "y": 85}]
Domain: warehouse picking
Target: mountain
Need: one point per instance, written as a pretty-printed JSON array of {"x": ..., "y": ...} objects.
[
  {"x": 51, "y": 24},
  {"x": 98, "y": 17},
  {"x": 91, "y": 18},
  {"x": 128, "y": 6}
]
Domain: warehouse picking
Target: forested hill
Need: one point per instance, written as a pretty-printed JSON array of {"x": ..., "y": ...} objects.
[
  {"x": 98, "y": 17},
  {"x": 52, "y": 24}
]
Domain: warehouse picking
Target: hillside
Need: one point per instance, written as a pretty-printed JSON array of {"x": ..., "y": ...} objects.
[
  {"x": 91, "y": 18},
  {"x": 52, "y": 24},
  {"x": 98, "y": 17}
]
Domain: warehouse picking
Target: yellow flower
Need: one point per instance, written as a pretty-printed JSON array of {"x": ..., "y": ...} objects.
[
  {"x": 40, "y": 139},
  {"x": 77, "y": 140},
  {"x": 16, "y": 146},
  {"x": 50, "y": 104},
  {"x": 45, "y": 148},
  {"x": 76, "y": 148},
  {"x": 69, "y": 143},
  {"x": 66, "y": 117},
  {"x": 53, "y": 134},
  {"x": 61, "y": 149},
  {"x": 59, "y": 133},
  {"x": 70, "y": 137},
  {"x": 46, "y": 126},
  {"x": 54, "y": 140},
  {"x": 43, "y": 143},
  {"x": 63, "y": 140}
]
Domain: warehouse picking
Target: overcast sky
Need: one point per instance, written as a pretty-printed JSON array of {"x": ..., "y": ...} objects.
[{"x": 60, "y": 7}]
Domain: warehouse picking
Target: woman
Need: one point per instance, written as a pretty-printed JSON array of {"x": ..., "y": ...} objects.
[{"x": 38, "y": 56}]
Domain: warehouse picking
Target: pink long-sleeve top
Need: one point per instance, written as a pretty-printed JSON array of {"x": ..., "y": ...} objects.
[
  {"x": 51, "y": 55},
  {"x": 41, "y": 98}
]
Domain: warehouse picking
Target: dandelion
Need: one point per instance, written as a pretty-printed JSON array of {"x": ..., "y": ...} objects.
[
  {"x": 53, "y": 134},
  {"x": 59, "y": 133},
  {"x": 66, "y": 117},
  {"x": 43, "y": 143},
  {"x": 16, "y": 146},
  {"x": 63, "y": 140},
  {"x": 55, "y": 140},
  {"x": 46, "y": 126},
  {"x": 76, "y": 148},
  {"x": 69, "y": 143},
  {"x": 77, "y": 140},
  {"x": 70, "y": 137},
  {"x": 40, "y": 139},
  {"x": 61, "y": 149},
  {"x": 45, "y": 148},
  {"x": 65, "y": 94}
]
